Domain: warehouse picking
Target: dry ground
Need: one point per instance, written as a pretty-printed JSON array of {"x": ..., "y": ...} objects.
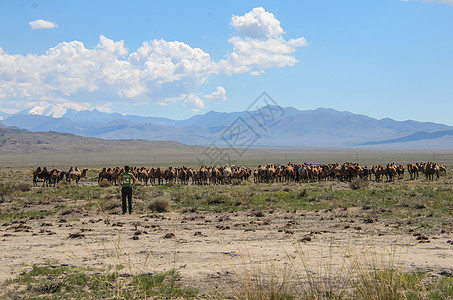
[{"x": 212, "y": 248}]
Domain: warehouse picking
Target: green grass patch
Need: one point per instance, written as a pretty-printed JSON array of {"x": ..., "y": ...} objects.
[
  {"x": 26, "y": 215},
  {"x": 71, "y": 282}
]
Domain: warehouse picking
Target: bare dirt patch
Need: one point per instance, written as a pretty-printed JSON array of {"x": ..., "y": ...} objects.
[{"x": 209, "y": 248}]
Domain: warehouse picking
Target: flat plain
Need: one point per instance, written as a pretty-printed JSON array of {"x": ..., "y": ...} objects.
[{"x": 227, "y": 241}]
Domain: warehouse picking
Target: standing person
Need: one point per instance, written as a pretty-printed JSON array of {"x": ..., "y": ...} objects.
[{"x": 126, "y": 180}]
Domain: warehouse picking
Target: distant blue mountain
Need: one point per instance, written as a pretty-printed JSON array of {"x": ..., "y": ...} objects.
[
  {"x": 418, "y": 136},
  {"x": 269, "y": 126},
  {"x": 3, "y": 115}
]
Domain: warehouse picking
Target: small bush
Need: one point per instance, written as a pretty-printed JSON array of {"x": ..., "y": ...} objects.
[
  {"x": 302, "y": 194},
  {"x": 159, "y": 205},
  {"x": 64, "y": 184},
  {"x": 261, "y": 282},
  {"x": 9, "y": 189},
  {"x": 105, "y": 183},
  {"x": 23, "y": 187},
  {"x": 358, "y": 184},
  {"x": 258, "y": 214}
]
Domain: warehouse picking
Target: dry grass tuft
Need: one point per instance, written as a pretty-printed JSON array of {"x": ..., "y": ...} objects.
[
  {"x": 105, "y": 183},
  {"x": 363, "y": 274},
  {"x": 159, "y": 205},
  {"x": 358, "y": 184}
]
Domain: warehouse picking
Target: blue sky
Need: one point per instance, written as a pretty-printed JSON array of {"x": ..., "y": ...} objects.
[{"x": 386, "y": 58}]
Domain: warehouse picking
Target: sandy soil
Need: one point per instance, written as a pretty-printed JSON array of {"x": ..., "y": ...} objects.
[{"x": 211, "y": 249}]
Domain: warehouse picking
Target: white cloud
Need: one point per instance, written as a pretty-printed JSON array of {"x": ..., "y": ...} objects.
[
  {"x": 257, "y": 24},
  {"x": 158, "y": 71},
  {"x": 258, "y": 44},
  {"x": 42, "y": 24},
  {"x": 257, "y": 73},
  {"x": 193, "y": 102},
  {"x": 449, "y": 2},
  {"x": 104, "y": 108},
  {"x": 218, "y": 96}
]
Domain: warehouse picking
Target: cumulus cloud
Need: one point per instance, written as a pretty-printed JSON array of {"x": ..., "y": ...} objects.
[
  {"x": 42, "y": 24},
  {"x": 258, "y": 24},
  {"x": 259, "y": 44},
  {"x": 159, "y": 70},
  {"x": 193, "y": 102},
  {"x": 218, "y": 96}
]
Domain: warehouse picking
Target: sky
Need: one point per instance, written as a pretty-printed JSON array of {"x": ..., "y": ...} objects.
[{"x": 175, "y": 59}]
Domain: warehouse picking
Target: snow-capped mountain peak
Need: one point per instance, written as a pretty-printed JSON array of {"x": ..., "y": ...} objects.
[
  {"x": 54, "y": 111},
  {"x": 51, "y": 110}
]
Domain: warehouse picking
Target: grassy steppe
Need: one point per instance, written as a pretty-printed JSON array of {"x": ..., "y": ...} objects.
[{"x": 401, "y": 207}]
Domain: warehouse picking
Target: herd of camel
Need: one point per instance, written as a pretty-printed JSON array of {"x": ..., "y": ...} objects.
[
  {"x": 54, "y": 176},
  {"x": 268, "y": 173}
]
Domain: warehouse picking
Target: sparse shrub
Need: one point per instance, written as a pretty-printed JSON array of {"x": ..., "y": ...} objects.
[
  {"x": 5, "y": 190},
  {"x": 64, "y": 184},
  {"x": 23, "y": 187},
  {"x": 258, "y": 214},
  {"x": 9, "y": 189},
  {"x": 214, "y": 200},
  {"x": 176, "y": 195},
  {"x": 268, "y": 281},
  {"x": 109, "y": 203},
  {"x": 287, "y": 189},
  {"x": 163, "y": 285},
  {"x": 159, "y": 205},
  {"x": 105, "y": 183},
  {"x": 156, "y": 193},
  {"x": 190, "y": 210},
  {"x": 302, "y": 194},
  {"x": 358, "y": 184}
]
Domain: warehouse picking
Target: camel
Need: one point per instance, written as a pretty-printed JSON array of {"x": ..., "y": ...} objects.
[
  {"x": 288, "y": 173},
  {"x": 154, "y": 174},
  {"x": 196, "y": 177},
  {"x": 142, "y": 175},
  {"x": 105, "y": 174},
  {"x": 168, "y": 174},
  {"x": 75, "y": 174},
  {"x": 226, "y": 174},
  {"x": 400, "y": 171},
  {"x": 334, "y": 171},
  {"x": 116, "y": 174},
  {"x": 430, "y": 169},
  {"x": 304, "y": 173},
  {"x": 41, "y": 174},
  {"x": 268, "y": 173},
  {"x": 181, "y": 174},
  {"x": 413, "y": 171},
  {"x": 352, "y": 171},
  {"x": 54, "y": 177},
  {"x": 216, "y": 175},
  {"x": 378, "y": 171},
  {"x": 390, "y": 172}
]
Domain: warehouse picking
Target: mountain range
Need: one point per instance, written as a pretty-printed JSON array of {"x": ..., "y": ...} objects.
[{"x": 269, "y": 126}]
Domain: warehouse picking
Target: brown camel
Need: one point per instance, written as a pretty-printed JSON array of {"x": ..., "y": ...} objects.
[{"x": 76, "y": 175}]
